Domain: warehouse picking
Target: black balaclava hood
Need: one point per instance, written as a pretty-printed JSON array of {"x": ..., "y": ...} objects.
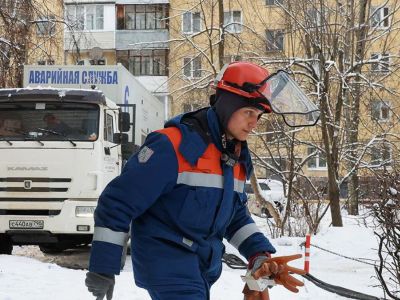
[{"x": 226, "y": 103}]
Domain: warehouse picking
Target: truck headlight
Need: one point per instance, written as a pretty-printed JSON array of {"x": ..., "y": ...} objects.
[{"x": 84, "y": 211}]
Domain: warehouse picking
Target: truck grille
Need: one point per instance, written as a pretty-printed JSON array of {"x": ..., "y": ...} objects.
[
  {"x": 30, "y": 212},
  {"x": 39, "y": 189},
  {"x": 33, "y": 199},
  {"x": 33, "y": 184}
]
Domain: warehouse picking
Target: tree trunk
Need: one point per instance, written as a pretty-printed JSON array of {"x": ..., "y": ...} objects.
[
  {"x": 330, "y": 145},
  {"x": 291, "y": 177},
  {"x": 354, "y": 119},
  {"x": 221, "y": 45},
  {"x": 353, "y": 195},
  {"x": 333, "y": 193}
]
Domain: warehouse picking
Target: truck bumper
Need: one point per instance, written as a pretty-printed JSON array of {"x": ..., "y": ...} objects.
[{"x": 48, "y": 222}]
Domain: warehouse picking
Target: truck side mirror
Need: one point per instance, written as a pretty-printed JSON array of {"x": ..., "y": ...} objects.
[
  {"x": 120, "y": 138},
  {"x": 124, "y": 121}
]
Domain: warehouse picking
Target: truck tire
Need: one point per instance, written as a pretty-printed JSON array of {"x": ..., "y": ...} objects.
[
  {"x": 6, "y": 245},
  {"x": 52, "y": 248}
]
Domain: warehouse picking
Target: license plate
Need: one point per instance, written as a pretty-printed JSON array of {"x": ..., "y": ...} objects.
[{"x": 26, "y": 224}]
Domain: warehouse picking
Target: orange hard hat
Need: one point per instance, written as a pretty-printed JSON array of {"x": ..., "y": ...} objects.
[{"x": 244, "y": 79}]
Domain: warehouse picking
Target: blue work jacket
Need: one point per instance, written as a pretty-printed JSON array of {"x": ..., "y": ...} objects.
[{"x": 180, "y": 201}]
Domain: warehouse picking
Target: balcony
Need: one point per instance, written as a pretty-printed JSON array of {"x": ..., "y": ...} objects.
[
  {"x": 88, "y": 39},
  {"x": 141, "y": 39}
]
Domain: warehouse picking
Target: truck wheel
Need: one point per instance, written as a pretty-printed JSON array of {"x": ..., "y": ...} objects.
[
  {"x": 51, "y": 248},
  {"x": 6, "y": 245}
]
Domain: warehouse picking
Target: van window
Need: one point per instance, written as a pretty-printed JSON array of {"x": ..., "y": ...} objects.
[
  {"x": 264, "y": 186},
  {"x": 248, "y": 189}
]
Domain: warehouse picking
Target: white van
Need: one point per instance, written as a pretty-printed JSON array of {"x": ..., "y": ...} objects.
[{"x": 271, "y": 190}]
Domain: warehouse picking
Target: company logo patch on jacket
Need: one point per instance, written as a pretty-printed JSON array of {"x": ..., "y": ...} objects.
[{"x": 145, "y": 154}]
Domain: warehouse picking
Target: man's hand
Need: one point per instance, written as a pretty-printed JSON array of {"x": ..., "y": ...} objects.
[
  {"x": 100, "y": 285},
  {"x": 259, "y": 261},
  {"x": 277, "y": 269}
]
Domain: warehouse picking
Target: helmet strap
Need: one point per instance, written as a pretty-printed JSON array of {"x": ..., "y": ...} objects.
[{"x": 231, "y": 151}]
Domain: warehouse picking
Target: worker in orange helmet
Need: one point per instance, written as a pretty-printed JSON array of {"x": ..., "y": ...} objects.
[{"x": 183, "y": 192}]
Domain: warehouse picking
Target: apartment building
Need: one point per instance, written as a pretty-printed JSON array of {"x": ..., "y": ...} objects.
[
  {"x": 302, "y": 34},
  {"x": 196, "y": 42},
  {"x": 46, "y": 33},
  {"x": 30, "y": 32},
  {"x": 133, "y": 33}
]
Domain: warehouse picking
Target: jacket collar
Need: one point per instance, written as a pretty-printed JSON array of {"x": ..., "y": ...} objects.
[
  {"x": 193, "y": 145},
  {"x": 216, "y": 134},
  {"x": 215, "y": 128}
]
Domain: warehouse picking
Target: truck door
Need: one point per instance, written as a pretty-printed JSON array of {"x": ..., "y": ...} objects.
[{"x": 112, "y": 166}]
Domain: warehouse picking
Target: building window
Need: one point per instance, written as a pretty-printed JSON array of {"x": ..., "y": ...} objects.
[
  {"x": 315, "y": 19},
  {"x": 318, "y": 160},
  {"x": 92, "y": 62},
  {"x": 141, "y": 17},
  {"x": 46, "y": 26},
  {"x": 45, "y": 62},
  {"x": 268, "y": 166},
  {"x": 192, "y": 67},
  {"x": 191, "y": 22},
  {"x": 144, "y": 62},
  {"x": 190, "y": 107},
  {"x": 273, "y": 2},
  {"x": 380, "y": 17},
  {"x": 274, "y": 164},
  {"x": 75, "y": 16},
  {"x": 381, "y": 110},
  {"x": 233, "y": 21},
  {"x": 231, "y": 58},
  {"x": 381, "y": 155},
  {"x": 85, "y": 17},
  {"x": 274, "y": 40},
  {"x": 97, "y": 62},
  {"x": 94, "y": 17},
  {"x": 274, "y": 130},
  {"x": 382, "y": 64}
]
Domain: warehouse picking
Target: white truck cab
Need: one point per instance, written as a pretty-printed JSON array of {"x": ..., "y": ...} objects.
[{"x": 58, "y": 150}]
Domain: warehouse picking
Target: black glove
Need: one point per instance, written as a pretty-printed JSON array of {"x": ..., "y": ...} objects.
[{"x": 100, "y": 285}]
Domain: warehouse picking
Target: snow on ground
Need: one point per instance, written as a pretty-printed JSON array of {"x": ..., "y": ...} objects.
[{"x": 24, "y": 276}]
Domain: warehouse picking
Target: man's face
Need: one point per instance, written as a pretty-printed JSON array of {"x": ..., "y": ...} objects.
[{"x": 242, "y": 122}]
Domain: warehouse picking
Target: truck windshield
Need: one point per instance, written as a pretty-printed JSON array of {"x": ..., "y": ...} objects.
[{"x": 49, "y": 121}]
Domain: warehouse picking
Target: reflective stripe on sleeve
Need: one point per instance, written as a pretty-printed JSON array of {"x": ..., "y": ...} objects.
[
  {"x": 207, "y": 180},
  {"x": 103, "y": 234},
  {"x": 242, "y": 234},
  {"x": 238, "y": 185}
]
